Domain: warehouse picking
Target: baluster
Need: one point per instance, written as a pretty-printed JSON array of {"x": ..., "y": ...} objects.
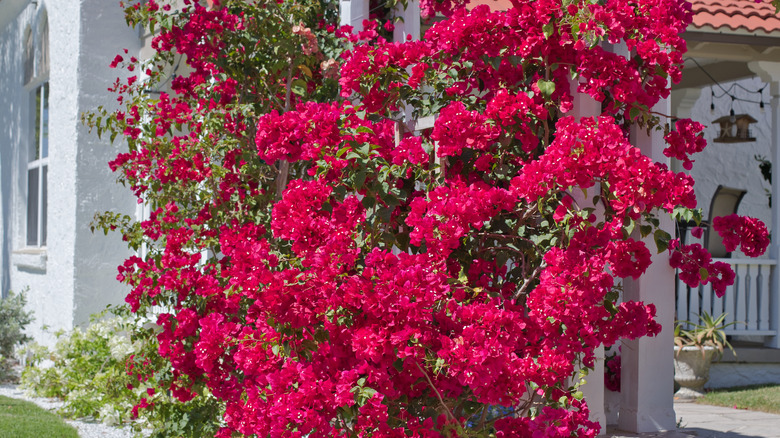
[
  {"x": 717, "y": 303},
  {"x": 759, "y": 291},
  {"x": 680, "y": 298},
  {"x": 737, "y": 282},
  {"x": 766, "y": 298},
  {"x": 748, "y": 279},
  {"x": 771, "y": 297},
  {"x": 693, "y": 304},
  {"x": 706, "y": 296}
]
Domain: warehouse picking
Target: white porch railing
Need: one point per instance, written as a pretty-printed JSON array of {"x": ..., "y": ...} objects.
[{"x": 747, "y": 301}]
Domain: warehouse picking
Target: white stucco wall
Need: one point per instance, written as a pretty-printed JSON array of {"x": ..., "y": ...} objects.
[
  {"x": 733, "y": 164},
  {"x": 74, "y": 276},
  {"x": 103, "y": 34}
]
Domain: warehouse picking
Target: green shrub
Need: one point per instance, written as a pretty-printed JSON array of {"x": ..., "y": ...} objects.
[
  {"x": 13, "y": 320},
  {"x": 101, "y": 373}
]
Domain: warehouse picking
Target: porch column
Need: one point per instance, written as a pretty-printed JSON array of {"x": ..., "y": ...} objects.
[
  {"x": 647, "y": 372},
  {"x": 409, "y": 23},
  {"x": 353, "y": 12},
  {"x": 593, "y": 390},
  {"x": 770, "y": 72}
]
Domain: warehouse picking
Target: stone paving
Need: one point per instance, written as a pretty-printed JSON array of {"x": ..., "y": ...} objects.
[{"x": 702, "y": 421}]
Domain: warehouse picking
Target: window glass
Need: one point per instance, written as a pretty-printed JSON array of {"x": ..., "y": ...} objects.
[
  {"x": 32, "y": 207},
  {"x": 44, "y": 202},
  {"x": 45, "y": 121},
  {"x": 36, "y": 143},
  {"x": 37, "y": 167}
]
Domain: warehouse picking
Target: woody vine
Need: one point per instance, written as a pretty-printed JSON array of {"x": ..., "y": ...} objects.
[{"x": 324, "y": 268}]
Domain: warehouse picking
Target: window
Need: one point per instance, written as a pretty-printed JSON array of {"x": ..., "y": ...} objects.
[
  {"x": 36, "y": 74},
  {"x": 38, "y": 167}
]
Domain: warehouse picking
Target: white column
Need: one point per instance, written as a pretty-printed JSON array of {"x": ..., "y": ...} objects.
[
  {"x": 774, "y": 248},
  {"x": 353, "y": 12},
  {"x": 683, "y": 101},
  {"x": 770, "y": 72},
  {"x": 409, "y": 23},
  {"x": 593, "y": 390},
  {"x": 647, "y": 371}
]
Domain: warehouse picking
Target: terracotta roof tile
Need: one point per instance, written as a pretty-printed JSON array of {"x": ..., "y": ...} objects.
[{"x": 735, "y": 15}]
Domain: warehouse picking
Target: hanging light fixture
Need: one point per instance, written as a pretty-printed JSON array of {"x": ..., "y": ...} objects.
[{"x": 735, "y": 128}]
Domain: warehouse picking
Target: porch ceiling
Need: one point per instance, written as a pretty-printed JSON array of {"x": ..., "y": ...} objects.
[
  {"x": 724, "y": 71},
  {"x": 725, "y": 56}
]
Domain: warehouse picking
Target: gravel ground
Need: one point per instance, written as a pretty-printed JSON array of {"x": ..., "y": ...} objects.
[{"x": 86, "y": 430}]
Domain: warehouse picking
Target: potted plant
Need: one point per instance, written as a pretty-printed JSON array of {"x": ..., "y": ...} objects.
[{"x": 694, "y": 351}]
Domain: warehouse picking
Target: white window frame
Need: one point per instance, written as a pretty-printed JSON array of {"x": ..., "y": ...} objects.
[{"x": 36, "y": 149}]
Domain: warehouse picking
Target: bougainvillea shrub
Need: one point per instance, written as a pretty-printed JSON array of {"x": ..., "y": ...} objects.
[{"x": 326, "y": 266}]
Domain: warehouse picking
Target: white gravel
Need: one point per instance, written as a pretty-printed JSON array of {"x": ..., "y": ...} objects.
[{"x": 86, "y": 430}]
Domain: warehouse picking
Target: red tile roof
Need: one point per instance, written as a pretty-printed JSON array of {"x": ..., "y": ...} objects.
[{"x": 735, "y": 15}]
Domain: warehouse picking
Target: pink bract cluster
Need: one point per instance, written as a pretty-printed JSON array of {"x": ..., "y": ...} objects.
[
  {"x": 329, "y": 269},
  {"x": 750, "y": 234}
]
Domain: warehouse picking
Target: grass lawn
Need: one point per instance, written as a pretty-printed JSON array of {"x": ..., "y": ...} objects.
[
  {"x": 20, "y": 419},
  {"x": 764, "y": 398}
]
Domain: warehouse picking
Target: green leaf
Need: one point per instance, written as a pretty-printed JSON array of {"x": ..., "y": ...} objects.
[
  {"x": 360, "y": 178},
  {"x": 298, "y": 86},
  {"x": 662, "y": 239},
  {"x": 610, "y": 306},
  {"x": 703, "y": 274},
  {"x": 548, "y": 29},
  {"x": 368, "y": 202},
  {"x": 634, "y": 112},
  {"x": 546, "y": 87},
  {"x": 629, "y": 228}
]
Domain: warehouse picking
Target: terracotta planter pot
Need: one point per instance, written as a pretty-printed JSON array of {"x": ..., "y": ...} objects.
[{"x": 692, "y": 370}]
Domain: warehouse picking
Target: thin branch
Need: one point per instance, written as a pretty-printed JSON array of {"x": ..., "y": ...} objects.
[
  {"x": 528, "y": 281},
  {"x": 500, "y": 248},
  {"x": 284, "y": 166},
  {"x": 436, "y": 391},
  {"x": 483, "y": 418}
]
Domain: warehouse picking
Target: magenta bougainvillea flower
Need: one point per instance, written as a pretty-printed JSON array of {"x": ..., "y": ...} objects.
[{"x": 323, "y": 264}]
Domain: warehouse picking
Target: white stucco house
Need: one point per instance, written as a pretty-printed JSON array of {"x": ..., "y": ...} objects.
[{"x": 53, "y": 172}]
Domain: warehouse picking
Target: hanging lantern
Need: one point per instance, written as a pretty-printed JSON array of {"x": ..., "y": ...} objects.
[{"x": 735, "y": 129}]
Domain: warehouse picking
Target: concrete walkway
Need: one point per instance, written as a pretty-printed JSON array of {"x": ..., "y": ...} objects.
[{"x": 704, "y": 421}]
